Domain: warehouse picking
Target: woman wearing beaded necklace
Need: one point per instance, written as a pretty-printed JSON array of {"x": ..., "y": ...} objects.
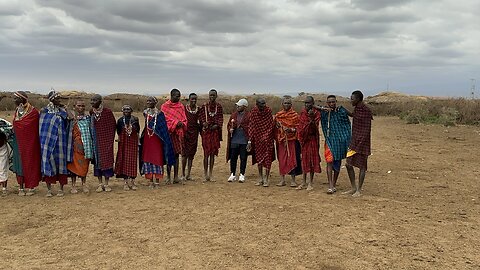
[
  {"x": 128, "y": 128},
  {"x": 156, "y": 148},
  {"x": 211, "y": 120}
]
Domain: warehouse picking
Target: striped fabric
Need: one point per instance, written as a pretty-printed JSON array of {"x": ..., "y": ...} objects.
[
  {"x": 84, "y": 126},
  {"x": 337, "y": 131},
  {"x": 55, "y": 142}
]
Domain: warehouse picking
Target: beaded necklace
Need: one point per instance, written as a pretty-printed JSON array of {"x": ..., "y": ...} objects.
[
  {"x": 151, "y": 113},
  {"x": 212, "y": 114},
  {"x": 97, "y": 112},
  {"x": 190, "y": 111},
  {"x": 128, "y": 128}
]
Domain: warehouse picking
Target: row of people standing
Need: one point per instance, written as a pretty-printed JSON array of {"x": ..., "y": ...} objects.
[
  {"x": 67, "y": 142},
  {"x": 296, "y": 140}
]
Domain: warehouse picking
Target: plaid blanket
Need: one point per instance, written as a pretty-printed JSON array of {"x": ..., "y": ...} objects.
[
  {"x": 337, "y": 132},
  {"x": 55, "y": 142},
  {"x": 261, "y": 134},
  {"x": 84, "y": 126},
  {"x": 103, "y": 136},
  {"x": 361, "y": 129},
  {"x": 309, "y": 138}
]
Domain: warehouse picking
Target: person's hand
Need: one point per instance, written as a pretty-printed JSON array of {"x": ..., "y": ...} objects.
[
  {"x": 214, "y": 127},
  {"x": 231, "y": 130},
  {"x": 205, "y": 125},
  {"x": 249, "y": 146},
  {"x": 179, "y": 124}
]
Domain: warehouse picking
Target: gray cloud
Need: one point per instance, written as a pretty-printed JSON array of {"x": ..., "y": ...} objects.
[{"x": 239, "y": 44}]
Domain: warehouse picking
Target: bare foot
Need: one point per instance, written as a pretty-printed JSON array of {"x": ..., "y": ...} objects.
[
  {"x": 350, "y": 192},
  {"x": 265, "y": 183},
  {"x": 259, "y": 183},
  {"x": 309, "y": 188},
  {"x": 300, "y": 187},
  {"x": 357, "y": 194},
  {"x": 281, "y": 184},
  {"x": 293, "y": 184}
]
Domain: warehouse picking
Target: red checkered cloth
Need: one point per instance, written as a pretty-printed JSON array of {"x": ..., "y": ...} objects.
[
  {"x": 309, "y": 137},
  {"x": 175, "y": 113},
  {"x": 105, "y": 128},
  {"x": 261, "y": 134},
  {"x": 127, "y": 153},
  {"x": 361, "y": 129},
  {"x": 212, "y": 114},
  {"x": 286, "y": 119},
  {"x": 191, "y": 136},
  {"x": 233, "y": 123}
]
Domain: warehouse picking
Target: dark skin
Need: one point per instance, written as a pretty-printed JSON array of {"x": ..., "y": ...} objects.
[
  {"x": 261, "y": 105},
  {"x": 56, "y": 102},
  {"x": 80, "y": 110},
  {"x": 193, "y": 105},
  {"x": 151, "y": 103},
  {"x": 332, "y": 175},
  {"x": 287, "y": 105},
  {"x": 175, "y": 98},
  {"x": 209, "y": 161},
  {"x": 356, "y": 190},
  {"x": 309, "y": 102}
]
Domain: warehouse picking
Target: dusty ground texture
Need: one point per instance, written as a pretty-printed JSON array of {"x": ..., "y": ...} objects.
[{"x": 423, "y": 215}]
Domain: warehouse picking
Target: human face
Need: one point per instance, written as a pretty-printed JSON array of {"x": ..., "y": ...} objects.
[
  {"x": 240, "y": 108},
  {"x": 212, "y": 95},
  {"x": 332, "y": 103},
  {"x": 287, "y": 104},
  {"x": 175, "y": 97},
  {"x": 127, "y": 112},
  {"x": 95, "y": 101},
  {"x": 261, "y": 104},
  {"x": 193, "y": 100},
  {"x": 57, "y": 101},
  {"x": 18, "y": 100},
  {"x": 151, "y": 102},
  {"x": 354, "y": 100},
  {"x": 308, "y": 104},
  {"x": 80, "y": 107}
]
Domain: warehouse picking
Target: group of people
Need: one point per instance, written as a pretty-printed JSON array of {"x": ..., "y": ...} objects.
[{"x": 55, "y": 143}]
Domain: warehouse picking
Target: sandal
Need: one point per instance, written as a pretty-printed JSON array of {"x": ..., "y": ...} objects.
[
  {"x": 300, "y": 187},
  {"x": 330, "y": 191}
]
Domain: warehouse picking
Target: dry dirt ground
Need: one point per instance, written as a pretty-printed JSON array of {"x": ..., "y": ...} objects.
[{"x": 424, "y": 214}]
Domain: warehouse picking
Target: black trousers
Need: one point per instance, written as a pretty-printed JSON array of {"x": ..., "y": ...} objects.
[{"x": 235, "y": 151}]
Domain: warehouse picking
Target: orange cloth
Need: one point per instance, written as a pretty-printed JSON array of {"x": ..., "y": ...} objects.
[
  {"x": 80, "y": 164},
  {"x": 286, "y": 119},
  {"x": 328, "y": 154}
]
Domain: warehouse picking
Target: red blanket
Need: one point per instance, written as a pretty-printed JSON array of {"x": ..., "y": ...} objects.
[{"x": 26, "y": 133}]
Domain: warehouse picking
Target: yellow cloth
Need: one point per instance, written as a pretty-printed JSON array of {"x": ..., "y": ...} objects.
[{"x": 350, "y": 153}]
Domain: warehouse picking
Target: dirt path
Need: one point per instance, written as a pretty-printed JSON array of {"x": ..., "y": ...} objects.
[{"x": 423, "y": 215}]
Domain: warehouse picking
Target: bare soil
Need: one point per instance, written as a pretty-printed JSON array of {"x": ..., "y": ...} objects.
[{"x": 424, "y": 214}]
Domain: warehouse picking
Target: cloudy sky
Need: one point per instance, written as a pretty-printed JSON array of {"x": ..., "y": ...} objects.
[{"x": 245, "y": 46}]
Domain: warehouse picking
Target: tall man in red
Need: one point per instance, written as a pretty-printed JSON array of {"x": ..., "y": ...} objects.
[
  {"x": 359, "y": 149},
  {"x": 191, "y": 136},
  {"x": 211, "y": 120},
  {"x": 261, "y": 143},
  {"x": 177, "y": 127},
  {"x": 27, "y": 149},
  {"x": 103, "y": 130},
  {"x": 309, "y": 138}
]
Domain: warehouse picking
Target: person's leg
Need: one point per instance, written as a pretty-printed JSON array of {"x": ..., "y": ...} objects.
[
  {"x": 49, "y": 189},
  {"x": 330, "y": 177},
  {"x": 260, "y": 174},
  {"x": 282, "y": 181},
  {"x": 205, "y": 167},
  {"x": 74, "y": 184},
  {"x": 133, "y": 186},
  {"x": 212, "y": 163},
  {"x": 126, "y": 187},
  {"x": 184, "y": 166},
  {"x": 243, "y": 159},
  {"x": 293, "y": 183},
  {"x": 84, "y": 184},
  {"x": 361, "y": 179},
  {"x": 267, "y": 176},
  {"x": 4, "y": 187},
  {"x": 234, "y": 153},
  {"x": 175, "y": 168},
  {"x": 100, "y": 183},
  {"x": 190, "y": 163},
  {"x": 310, "y": 181},
  {"x": 351, "y": 176},
  {"x": 107, "y": 187}
]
